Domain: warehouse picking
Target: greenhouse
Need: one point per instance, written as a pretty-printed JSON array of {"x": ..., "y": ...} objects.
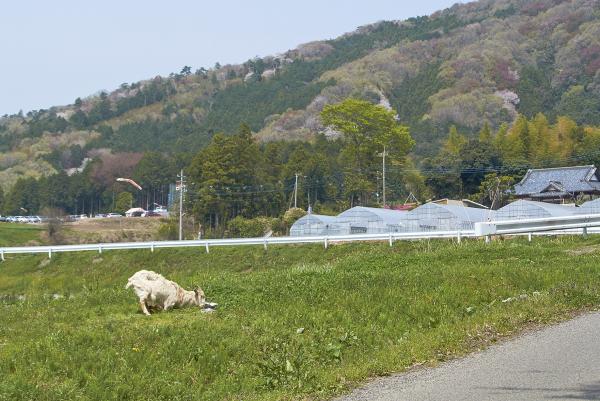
[
  {"x": 436, "y": 217},
  {"x": 590, "y": 207},
  {"x": 369, "y": 220},
  {"x": 523, "y": 209},
  {"x": 315, "y": 224}
]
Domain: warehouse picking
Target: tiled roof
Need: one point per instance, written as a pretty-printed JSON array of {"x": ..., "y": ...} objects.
[{"x": 558, "y": 181}]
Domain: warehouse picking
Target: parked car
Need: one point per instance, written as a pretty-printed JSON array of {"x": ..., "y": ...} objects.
[
  {"x": 112, "y": 215},
  {"x": 151, "y": 213},
  {"x": 100, "y": 215},
  {"x": 34, "y": 219}
]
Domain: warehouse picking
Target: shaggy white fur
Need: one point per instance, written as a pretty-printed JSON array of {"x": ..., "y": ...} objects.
[{"x": 156, "y": 292}]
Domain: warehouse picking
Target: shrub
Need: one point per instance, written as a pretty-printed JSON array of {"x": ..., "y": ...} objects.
[
  {"x": 293, "y": 214},
  {"x": 169, "y": 230},
  {"x": 240, "y": 227}
]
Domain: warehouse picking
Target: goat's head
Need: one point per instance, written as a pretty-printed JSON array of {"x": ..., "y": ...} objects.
[{"x": 199, "y": 296}]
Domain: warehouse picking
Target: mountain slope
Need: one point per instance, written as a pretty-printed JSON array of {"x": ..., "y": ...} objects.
[{"x": 472, "y": 64}]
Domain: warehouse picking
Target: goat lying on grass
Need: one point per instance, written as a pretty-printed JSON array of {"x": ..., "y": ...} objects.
[{"x": 156, "y": 292}]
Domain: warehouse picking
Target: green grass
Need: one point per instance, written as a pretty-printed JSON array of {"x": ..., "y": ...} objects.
[
  {"x": 365, "y": 310},
  {"x": 12, "y": 234}
]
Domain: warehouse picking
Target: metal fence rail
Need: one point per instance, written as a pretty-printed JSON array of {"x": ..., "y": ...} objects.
[
  {"x": 560, "y": 225},
  {"x": 207, "y": 244},
  {"x": 537, "y": 225}
]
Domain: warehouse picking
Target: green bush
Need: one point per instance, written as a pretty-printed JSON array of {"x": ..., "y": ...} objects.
[
  {"x": 240, "y": 227},
  {"x": 168, "y": 230}
]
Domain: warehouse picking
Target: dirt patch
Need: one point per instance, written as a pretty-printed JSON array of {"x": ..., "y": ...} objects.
[
  {"x": 111, "y": 230},
  {"x": 44, "y": 263},
  {"x": 584, "y": 250}
]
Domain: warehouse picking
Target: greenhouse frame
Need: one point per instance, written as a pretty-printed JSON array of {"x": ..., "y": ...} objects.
[
  {"x": 524, "y": 209},
  {"x": 370, "y": 220},
  {"x": 439, "y": 217},
  {"x": 315, "y": 224}
]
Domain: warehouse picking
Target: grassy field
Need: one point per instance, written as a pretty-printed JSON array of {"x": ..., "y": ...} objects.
[
  {"x": 12, "y": 234},
  {"x": 82, "y": 232},
  {"x": 294, "y": 323}
]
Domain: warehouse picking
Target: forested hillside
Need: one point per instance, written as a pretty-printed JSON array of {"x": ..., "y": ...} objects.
[{"x": 501, "y": 85}]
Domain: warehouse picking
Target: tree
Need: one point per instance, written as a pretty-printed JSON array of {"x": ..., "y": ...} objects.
[
  {"x": 455, "y": 141},
  {"x": 580, "y": 105},
  {"x": 493, "y": 190},
  {"x": 102, "y": 110},
  {"x": 485, "y": 135},
  {"x": 186, "y": 70},
  {"x": 124, "y": 202},
  {"x": 367, "y": 129},
  {"x": 517, "y": 143},
  {"x": 477, "y": 159},
  {"x": 23, "y": 197},
  {"x": 229, "y": 174}
]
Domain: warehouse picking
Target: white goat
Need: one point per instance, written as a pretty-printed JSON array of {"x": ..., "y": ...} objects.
[{"x": 156, "y": 292}]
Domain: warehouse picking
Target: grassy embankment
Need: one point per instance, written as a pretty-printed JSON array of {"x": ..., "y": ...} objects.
[{"x": 294, "y": 322}]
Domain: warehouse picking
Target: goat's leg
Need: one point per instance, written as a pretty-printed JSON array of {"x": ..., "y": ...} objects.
[{"x": 144, "y": 308}]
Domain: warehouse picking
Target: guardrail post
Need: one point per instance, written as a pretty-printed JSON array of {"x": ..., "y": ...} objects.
[
  {"x": 265, "y": 244},
  {"x": 529, "y": 237},
  {"x": 49, "y": 253},
  {"x": 99, "y": 248},
  {"x": 391, "y": 240},
  {"x": 152, "y": 247},
  {"x": 585, "y": 232},
  {"x": 488, "y": 239},
  {"x": 458, "y": 237},
  {"x": 2, "y": 255},
  {"x": 326, "y": 242},
  {"x": 207, "y": 250}
]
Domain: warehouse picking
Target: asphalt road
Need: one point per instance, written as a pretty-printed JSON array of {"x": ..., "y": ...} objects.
[{"x": 560, "y": 362}]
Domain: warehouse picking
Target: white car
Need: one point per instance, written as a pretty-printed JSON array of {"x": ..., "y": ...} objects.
[{"x": 110, "y": 215}]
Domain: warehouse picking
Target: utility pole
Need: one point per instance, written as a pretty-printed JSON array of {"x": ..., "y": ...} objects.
[
  {"x": 181, "y": 187},
  {"x": 296, "y": 192},
  {"x": 384, "y": 154}
]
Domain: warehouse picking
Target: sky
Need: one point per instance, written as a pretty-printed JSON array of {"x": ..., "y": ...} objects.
[{"x": 52, "y": 52}]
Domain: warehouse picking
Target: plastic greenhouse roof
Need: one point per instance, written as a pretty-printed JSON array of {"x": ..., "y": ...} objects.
[
  {"x": 593, "y": 204},
  {"x": 461, "y": 212},
  {"x": 320, "y": 217},
  {"x": 389, "y": 216},
  {"x": 552, "y": 208}
]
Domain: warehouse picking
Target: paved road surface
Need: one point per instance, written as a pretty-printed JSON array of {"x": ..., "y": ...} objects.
[{"x": 561, "y": 362}]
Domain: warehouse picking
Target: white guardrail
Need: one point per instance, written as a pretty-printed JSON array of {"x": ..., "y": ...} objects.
[
  {"x": 537, "y": 225},
  {"x": 564, "y": 225},
  {"x": 209, "y": 243}
]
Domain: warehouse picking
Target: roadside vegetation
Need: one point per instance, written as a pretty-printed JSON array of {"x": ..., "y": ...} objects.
[{"x": 294, "y": 323}]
